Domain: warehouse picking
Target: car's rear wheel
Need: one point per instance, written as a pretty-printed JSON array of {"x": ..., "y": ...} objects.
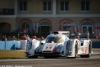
[
  {"x": 76, "y": 49},
  {"x": 89, "y": 54}
]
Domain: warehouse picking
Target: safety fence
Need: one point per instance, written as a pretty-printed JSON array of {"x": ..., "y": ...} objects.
[
  {"x": 21, "y": 45},
  {"x": 10, "y": 45},
  {"x": 95, "y": 44}
]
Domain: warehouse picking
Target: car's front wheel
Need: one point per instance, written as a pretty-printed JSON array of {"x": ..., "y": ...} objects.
[{"x": 32, "y": 56}]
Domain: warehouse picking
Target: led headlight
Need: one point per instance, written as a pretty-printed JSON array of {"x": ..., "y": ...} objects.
[{"x": 59, "y": 48}]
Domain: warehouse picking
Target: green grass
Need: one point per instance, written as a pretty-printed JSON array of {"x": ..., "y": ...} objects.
[{"x": 12, "y": 54}]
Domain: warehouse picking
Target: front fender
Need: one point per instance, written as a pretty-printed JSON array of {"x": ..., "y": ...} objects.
[
  {"x": 69, "y": 46},
  {"x": 65, "y": 47},
  {"x": 35, "y": 44}
]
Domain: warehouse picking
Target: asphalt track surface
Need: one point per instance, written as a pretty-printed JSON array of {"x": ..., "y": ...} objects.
[{"x": 93, "y": 61}]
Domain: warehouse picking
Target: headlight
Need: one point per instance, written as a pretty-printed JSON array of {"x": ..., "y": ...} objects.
[{"x": 59, "y": 48}]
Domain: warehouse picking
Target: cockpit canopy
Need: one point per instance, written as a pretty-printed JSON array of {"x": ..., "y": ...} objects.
[{"x": 58, "y": 38}]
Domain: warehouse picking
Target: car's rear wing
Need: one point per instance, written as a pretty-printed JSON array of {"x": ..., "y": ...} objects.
[{"x": 62, "y": 32}]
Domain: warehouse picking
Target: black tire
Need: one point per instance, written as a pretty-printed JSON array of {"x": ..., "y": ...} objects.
[
  {"x": 50, "y": 56},
  {"x": 35, "y": 56},
  {"x": 76, "y": 50},
  {"x": 89, "y": 54},
  {"x": 32, "y": 56}
]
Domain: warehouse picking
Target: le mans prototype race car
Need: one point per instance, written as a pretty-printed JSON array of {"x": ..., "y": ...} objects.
[{"x": 59, "y": 44}]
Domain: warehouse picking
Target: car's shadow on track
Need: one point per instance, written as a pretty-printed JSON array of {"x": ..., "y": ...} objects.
[
  {"x": 78, "y": 57},
  {"x": 40, "y": 57}
]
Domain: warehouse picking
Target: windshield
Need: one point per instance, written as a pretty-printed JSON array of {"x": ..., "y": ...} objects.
[{"x": 54, "y": 39}]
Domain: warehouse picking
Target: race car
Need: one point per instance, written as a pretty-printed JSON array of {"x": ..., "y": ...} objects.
[{"x": 59, "y": 45}]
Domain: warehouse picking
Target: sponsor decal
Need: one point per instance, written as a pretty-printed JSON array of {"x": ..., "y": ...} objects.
[
  {"x": 85, "y": 50},
  {"x": 87, "y": 42}
]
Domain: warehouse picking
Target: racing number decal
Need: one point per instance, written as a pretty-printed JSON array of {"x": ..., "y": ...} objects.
[{"x": 48, "y": 47}]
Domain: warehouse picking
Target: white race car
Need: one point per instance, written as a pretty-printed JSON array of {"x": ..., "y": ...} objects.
[{"x": 58, "y": 44}]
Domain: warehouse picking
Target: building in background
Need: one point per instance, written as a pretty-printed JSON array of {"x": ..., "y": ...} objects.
[{"x": 50, "y": 15}]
